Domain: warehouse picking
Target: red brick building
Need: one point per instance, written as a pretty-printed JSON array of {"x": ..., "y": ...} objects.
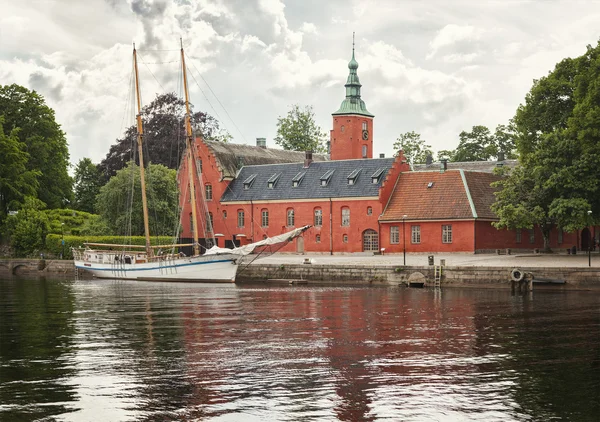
[{"x": 354, "y": 202}]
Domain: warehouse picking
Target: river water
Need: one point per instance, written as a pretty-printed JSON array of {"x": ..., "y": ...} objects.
[{"x": 128, "y": 351}]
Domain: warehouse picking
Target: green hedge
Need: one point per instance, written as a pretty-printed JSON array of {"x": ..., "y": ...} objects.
[{"x": 54, "y": 246}]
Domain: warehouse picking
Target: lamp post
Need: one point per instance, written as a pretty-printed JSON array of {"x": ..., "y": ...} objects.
[
  {"x": 404, "y": 237},
  {"x": 62, "y": 240},
  {"x": 590, "y": 241}
]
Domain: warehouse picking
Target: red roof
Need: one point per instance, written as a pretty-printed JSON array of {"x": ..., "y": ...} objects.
[{"x": 431, "y": 195}]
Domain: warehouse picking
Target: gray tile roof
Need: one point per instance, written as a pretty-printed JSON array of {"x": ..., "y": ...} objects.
[
  {"x": 485, "y": 166},
  {"x": 310, "y": 184}
]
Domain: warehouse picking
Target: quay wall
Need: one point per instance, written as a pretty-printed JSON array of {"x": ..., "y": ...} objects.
[{"x": 458, "y": 276}]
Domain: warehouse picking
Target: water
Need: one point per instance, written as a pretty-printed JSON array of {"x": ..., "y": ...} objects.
[{"x": 123, "y": 351}]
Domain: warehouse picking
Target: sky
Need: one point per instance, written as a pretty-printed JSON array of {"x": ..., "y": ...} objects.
[{"x": 433, "y": 67}]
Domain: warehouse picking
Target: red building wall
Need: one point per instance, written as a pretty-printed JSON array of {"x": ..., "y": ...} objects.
[
  {"x": 431, "y": 237},
  {"x": 347, "y": 144}
]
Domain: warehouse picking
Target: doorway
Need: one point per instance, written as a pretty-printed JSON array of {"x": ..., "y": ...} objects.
[{"x": 370, "y": 241}]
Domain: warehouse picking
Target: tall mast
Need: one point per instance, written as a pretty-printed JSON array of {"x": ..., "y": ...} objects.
[
  {"x": 140, "y": 139},
  {"x": 189, "y": 154}
]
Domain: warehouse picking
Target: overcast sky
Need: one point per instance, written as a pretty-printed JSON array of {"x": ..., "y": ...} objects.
[{"x": 435, "y": 67}]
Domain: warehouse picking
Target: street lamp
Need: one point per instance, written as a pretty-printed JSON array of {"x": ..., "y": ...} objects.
[
  {"x": 404, "y": 237},
  {"x": 590, "y": 242},
  {"x": 62, "y": 240}
]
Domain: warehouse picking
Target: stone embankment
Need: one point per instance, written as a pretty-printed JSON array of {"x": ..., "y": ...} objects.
[{"x": 36, "y": 267}]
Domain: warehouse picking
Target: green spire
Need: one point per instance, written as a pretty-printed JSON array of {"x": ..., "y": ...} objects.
[{"x": 353, "y": 104}]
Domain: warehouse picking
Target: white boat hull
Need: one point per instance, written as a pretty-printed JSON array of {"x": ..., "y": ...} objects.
[{"x": 215, "y": 268}]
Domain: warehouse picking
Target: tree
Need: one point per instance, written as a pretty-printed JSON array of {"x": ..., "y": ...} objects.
[
  {"x": 87, "y": 185},
  {"x": 164, "y": 135},
  {"x": 28, "y": 228},
  {"x": 414, "y": 148},
  {"x": 298, "y": 131},
  {"x": 477, "y": 145},
  {"x": 16, "y": 182},
  {"x": 119, "y": 202},
  {"x": 42, "y": 139}
]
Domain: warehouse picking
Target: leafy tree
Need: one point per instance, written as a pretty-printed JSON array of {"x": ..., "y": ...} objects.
[
  {"x": 121, "y": 210},
  {"x": 477, "y": 145},
  {"x": 28, "y": 228},
  {"x": 42, "y": 139},
  {"x": 16, "y": 181},
  {"x": 298, "y": 131},
  {"x": 414, "y": 148},
  {"x": 87, "y": 185},
  {"x": 164, "y": 135}
]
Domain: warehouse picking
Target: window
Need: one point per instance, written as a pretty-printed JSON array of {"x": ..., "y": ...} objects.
[
  {"x": 369, "y": 210},
  {"x": 224, "y": 215},
  {"x": 240, "y": 218},
  {"x": 345, "y": 217},
  {"x": 318, "y": 217},
  {"x": 290, "y": 217},
  {"x": 208, "y": 191},
  {"x": 415, "y": 235},
  {"x": 364, "y": 126},
  {"x": 394, "y": 235},
  {"x": 531, "y": 236},
  {"x": 199, "y": 165},
  {"x": 560, "y": 236},
  {"x": 297, "y": 179},
  {"x": 265, "y": 218},
  {"x": 191, "y": 222},
  {"x": 364, "y": 151},
  {"x": 447, "y": 233},
  {"x": 325, "y": 178},
  {"x": 248, "y": 182},
  {"x": 273, "y": 180},
  {"x": 353, "y": 176},
  {"x": 209, "y": 222},
  {"x": 518, "y": 235},
  {"x": 318, "y": 238},
  {"x": 343, "y": 128},
  {"x": 345, "y": 238}
]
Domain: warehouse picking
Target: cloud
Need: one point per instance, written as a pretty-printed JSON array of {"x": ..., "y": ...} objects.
[{"x": 451, "y": 35}]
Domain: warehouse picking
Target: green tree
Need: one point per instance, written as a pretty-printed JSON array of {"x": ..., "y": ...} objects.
[
  {"x": 298, "y": 131},
  {"x": 164, "y": 136},
  {"x": 42, "y": 139},
  {"x": 16, "y": 182},
  {"x": 87, "y": 185},
  {"x": 119, "y": 202},
  {"x": 414, "y": 148},
  {"x": 28, "y": 228},
  {"x": 477, "y": 145}
]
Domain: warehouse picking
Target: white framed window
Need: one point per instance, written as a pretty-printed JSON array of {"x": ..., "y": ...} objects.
[
  {"x": 343, "y": 128},
  {"x": 290, "y": 217},
  {"x": 241, "y": 218},
  {"x": 364, "y": 151},
  {"x": 209, "y": 221},
  {"x": 364, "y": 126},
  {"x": 345, "y": 216},
  {"x": 415, "y": 234},
  {"x": 394, "y": 235},
  {"x": 224, "y": 214},
  {"x": 318, "y": 221},
  {"x": 369, "y": 210},
  {"x": 519, "y": 236},
  {"x": 318, "y": 238},
  {"x": 265, "y": 218},
  {"x": 447, "y": 233},
  {"x": 345, "y": 238},
  {"x": 208, "y": 192}
]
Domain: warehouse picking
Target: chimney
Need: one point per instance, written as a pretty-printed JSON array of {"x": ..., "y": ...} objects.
[
  {"x": 307, "y": 159},
  {"x": 500, "y": 156},
  {"x": 382, "y": 155},
  {"x": 261, "y": 142},
  {"x": 444, "y": 165},
  {"x": 429, "y": 159}
]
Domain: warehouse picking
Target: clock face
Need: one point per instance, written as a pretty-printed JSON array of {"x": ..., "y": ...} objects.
[{"x": 365, "y": 134}]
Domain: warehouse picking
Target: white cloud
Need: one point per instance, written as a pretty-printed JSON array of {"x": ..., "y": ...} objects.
[{"x": 452, "y": 34}]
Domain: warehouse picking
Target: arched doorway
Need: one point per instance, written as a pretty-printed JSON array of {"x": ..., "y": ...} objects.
[
  {"x": 370, "y": 241},
  {"x": 586, "y": 239},
  {"x": 300, "y": 244}
]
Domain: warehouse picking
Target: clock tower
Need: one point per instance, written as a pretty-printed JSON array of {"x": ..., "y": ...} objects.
[{"x": 352, "y": 133}]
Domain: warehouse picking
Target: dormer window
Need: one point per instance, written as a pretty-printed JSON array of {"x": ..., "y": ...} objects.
[
  {"x": 273, "y": 180},
  {"x": 297, "y": 179},
  {"x": 248, "y": 182},
  {"x": 353, "y": 177},
  {"x": 429, "y": 185},
  {"x": 375, "y": 177},
  {"x": 326, "y": 177}
]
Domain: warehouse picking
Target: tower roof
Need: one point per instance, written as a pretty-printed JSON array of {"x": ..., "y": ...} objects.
[{"x": 353, "y": 104}]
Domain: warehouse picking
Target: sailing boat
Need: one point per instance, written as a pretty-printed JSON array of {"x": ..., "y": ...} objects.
[{"x": 126, "y": 262}]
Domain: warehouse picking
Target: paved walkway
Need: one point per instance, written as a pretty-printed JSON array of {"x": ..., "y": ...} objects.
[{"x": 452, "y": 259}]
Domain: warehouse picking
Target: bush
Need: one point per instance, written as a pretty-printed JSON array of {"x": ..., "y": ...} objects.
[{"x": 54, "y": 242}]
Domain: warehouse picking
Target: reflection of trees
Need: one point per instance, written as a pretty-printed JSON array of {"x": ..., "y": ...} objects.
[
  {"x": 553, "y": 341},
  {"x": 36, "y": 330}
]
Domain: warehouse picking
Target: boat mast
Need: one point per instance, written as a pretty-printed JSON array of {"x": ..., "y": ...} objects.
[
  {"x": 189, "y": 154},
  {"x": 140, "y": 139}
]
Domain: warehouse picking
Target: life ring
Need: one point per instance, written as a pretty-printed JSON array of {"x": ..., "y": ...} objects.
[{"x": 517, "y": 275}]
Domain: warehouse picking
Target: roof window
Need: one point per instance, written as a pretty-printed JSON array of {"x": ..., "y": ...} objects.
[
  {"x": 297, "y": 179},
  {"x": 273, "y": 180},
  {"x": 326, "y": 177},
  {"x": 429, "y": 185},
  {"x": 352, "y": 177},
  {"x": 248, "y": 182},
  {"x": 377, "y": 175}
]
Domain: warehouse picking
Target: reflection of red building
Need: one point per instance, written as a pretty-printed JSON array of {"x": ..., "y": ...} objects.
[{"x": 355, "y": 202}]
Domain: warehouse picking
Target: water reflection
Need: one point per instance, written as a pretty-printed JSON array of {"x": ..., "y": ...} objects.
[{"x": 152, "y": 351}]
